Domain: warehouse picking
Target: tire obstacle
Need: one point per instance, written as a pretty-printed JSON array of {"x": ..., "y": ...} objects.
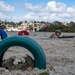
[
  {"x": 23, "y": 32},
  {"x": 29, "y": 44},
  {"x": 3, "y": 34}
]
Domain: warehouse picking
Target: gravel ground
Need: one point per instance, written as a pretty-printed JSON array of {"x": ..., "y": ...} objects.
[{"x": 60, "y": 53}]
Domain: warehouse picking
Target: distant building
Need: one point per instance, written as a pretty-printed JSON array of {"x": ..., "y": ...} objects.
[
  {"x": 29, "y": 26},
  {"x": 65, "y": 23}
]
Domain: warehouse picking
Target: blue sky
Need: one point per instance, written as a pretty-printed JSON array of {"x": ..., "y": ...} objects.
[{"x": 39, "y": 10}]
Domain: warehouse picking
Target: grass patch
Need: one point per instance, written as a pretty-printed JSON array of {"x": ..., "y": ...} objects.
[{"x": 44, "y": 73}]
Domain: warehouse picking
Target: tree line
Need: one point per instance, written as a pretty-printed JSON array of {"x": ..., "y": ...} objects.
[
  {"x": 68, "y": 27},
  {"x": 48, "y": 27}
]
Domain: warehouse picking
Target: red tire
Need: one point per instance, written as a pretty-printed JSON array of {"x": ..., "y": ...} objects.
[{"x": 23, "y": 32}]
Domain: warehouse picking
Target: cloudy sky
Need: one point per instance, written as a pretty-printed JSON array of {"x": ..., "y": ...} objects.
[{"x": 38, "y": 10}]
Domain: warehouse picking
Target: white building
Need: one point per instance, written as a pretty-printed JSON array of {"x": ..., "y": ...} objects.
[{"x": 29, "y": 26}]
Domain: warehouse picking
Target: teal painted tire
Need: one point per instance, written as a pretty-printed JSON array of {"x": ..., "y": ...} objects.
[
  {"x": 3, "y": 34},
  {"x": 29, "y": 44}
]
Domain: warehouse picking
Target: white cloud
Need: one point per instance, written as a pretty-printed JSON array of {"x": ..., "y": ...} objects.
[
  {"x": 5, "y": 8},
  {"x": 51, "y": 6},
  {"x": 56, "y": 7},
  {"x": 69, "y": 13},
  {"x": 70, "y": 10},
  {"x": 2, "y": 16},
  {"x": 48, "y": 13},
  {"x": 52, "y": 11},
  {"x": 30, "y": 7},
  {"x": 30, "y": 16}
]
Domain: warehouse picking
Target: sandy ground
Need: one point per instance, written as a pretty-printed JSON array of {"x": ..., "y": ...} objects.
[{"x": 60, "y": 53}]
